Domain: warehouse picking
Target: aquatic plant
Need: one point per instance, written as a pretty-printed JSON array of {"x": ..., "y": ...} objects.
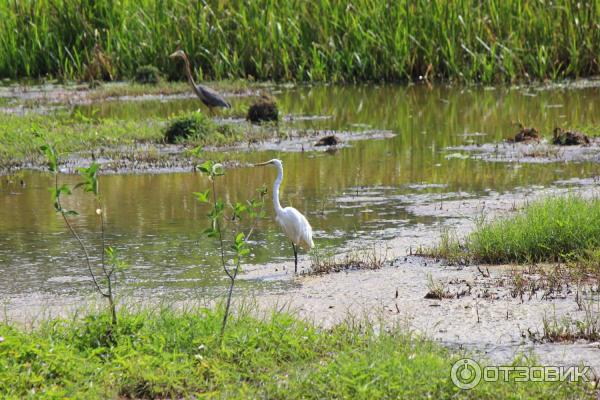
[
  {"x": 238, "y": 248},
  {"x": 104, "y": 278},
  {"x": 361, "y": 40}
]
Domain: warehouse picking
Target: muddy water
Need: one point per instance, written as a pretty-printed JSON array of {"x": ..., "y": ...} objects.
[{"x": 367, "y": 190}]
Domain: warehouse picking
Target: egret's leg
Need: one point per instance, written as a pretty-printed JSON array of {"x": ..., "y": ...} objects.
[{"x": 295, "y": 258}]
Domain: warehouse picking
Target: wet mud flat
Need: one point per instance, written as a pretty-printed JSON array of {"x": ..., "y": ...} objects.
[
  {"x": 480, "y": 310},
  {"x": 530, "y": 152},
  {"x": 78, "y": 94}
]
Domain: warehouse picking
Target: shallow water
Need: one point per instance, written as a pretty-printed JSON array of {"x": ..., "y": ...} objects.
[{"x": 366, "y": 190}]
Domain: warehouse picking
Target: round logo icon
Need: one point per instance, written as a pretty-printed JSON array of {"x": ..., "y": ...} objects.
[{"x": 465, "y": 373}]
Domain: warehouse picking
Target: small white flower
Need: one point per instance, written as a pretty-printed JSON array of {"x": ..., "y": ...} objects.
[{"x": 98, "y": 211}]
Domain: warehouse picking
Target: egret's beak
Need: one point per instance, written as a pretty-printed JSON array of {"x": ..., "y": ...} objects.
[
  {"x": 174, "y": 55},
  {"x": 264, "y": 163}
]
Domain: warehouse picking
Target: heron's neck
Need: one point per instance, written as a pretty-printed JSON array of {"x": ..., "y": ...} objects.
[
  {"x": 188, "y": 70},
  {"x": 276, "y": 185}
]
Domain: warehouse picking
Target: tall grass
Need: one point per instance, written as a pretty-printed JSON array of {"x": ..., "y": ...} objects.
[
  {"x": 465, "y": 40},
  {"x": 550, "y": 230}
]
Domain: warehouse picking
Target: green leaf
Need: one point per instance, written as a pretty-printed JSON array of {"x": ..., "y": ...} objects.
[
  {"x": 239, "y": 238},
  {"x": 51, "y": 157},
  {"x": 206, "y": 167},
  {"x": 210, "y": 232},
  {"x": 90, "y": 176},
  {"x": 202, "y": 197}
]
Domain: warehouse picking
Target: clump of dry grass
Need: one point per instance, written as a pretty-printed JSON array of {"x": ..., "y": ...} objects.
[
  {"x": 437, "y": 289},
  {"x": 569, "y": 328},
  {"x": 369, "y": 258}
]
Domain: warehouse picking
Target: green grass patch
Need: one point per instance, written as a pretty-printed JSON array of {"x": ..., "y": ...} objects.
[
  {"x": 554, "y": 229},
  {"x": 172, "y": 354},
  {"x": 121, "y": 89},
  {"x": 492, "y": 41},
  {"x": 22, "y": 135}
]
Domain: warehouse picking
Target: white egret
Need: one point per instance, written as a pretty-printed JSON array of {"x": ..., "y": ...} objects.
[{"x": 294, "y": 224}]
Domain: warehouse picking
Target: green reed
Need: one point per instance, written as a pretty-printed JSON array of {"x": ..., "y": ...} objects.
[{"x": 465, "y": 40}]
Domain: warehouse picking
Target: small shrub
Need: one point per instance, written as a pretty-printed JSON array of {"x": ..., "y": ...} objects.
[
  {"x": 193, "y": 125},
  {"x": 147, "y": 74}
]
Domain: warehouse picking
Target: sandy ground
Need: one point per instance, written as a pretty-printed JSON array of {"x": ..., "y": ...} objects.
[{"x": 533, "y": 152}]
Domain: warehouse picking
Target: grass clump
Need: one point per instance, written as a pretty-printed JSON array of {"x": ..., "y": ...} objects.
[
  {"x": 570, "y": 328},
  {"x": 369, "y": 258},
  {"x": 175, "y": 354},
  {"x": 197, "y": 128},
  {"x": 562, "y": 228},
  {"x": 147, "y": 75},
  {"x": 552, "y": 229},
  {"x": 193, "y": 124}
]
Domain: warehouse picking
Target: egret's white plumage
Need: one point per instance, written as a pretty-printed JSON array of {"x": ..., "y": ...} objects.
[{"x": 294, "y": 224}]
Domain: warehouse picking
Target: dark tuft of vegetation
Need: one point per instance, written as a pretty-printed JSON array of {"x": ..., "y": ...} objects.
[
  {"x": 192, "y": 125},
  {"x": 569, "y": 138},
  {"x": 263, "y": 110},
  {"x": 147, "y": 75},
  {"x": 526, "y": 134},
  {"x": 329, "y": 140}
]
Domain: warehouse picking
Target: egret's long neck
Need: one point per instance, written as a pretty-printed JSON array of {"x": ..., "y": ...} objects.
[{"x": 276, "y": 185}]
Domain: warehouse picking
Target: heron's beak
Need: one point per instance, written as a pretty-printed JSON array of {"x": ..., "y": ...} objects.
[{"x": 264, "y": 163}]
